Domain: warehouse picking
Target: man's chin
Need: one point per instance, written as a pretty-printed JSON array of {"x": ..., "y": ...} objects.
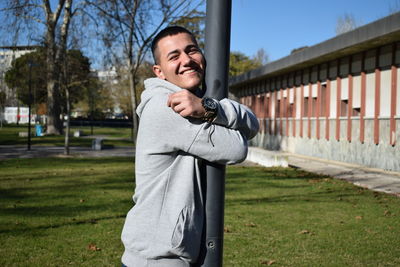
[{"x": 192, "y": 85}]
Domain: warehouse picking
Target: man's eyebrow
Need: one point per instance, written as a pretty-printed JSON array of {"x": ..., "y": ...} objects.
[
  {"x": 176, "y": 51},
  {"x": 191, "y": 46}
]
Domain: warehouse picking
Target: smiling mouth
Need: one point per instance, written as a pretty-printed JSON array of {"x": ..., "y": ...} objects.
[{"x": 189, "y": 71}]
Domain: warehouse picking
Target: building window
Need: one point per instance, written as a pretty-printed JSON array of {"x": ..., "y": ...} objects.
[
  {"x": 291, "y": 110},
  {"x": 278, "y": 109},
  {"x": 314, "y": 107},
  {"x": 285, "y": 107},
  {"x": 305, "y": 107},
  {"x": 356, "y": 111},
  {"x": 323, "y": 103},
  {"x": 343, "y": 108}
]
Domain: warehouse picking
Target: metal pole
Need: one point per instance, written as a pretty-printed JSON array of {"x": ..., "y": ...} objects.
[{"x": 218, "y": 26}]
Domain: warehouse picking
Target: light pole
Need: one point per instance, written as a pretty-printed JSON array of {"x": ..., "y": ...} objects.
[{"x": 217, "y": 48}]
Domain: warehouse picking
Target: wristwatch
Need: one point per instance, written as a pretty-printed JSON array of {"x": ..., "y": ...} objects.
[{"x": 211, "y": 107}]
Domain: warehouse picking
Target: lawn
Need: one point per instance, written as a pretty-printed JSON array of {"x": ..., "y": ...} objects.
[
  {"x": 113, "y": 136},
  {"x": 70, "y": 212}
]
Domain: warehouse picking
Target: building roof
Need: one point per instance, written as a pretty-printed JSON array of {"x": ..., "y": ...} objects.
[
  {"x": 377, "y": 33},
  {"x": 20, "y": 47}
]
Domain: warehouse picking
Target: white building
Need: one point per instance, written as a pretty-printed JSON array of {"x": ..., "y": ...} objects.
[
  {"x": 13, "y": 115},
  {"x": 110, "y": 79},
  {"x": 7, "y": 55}
]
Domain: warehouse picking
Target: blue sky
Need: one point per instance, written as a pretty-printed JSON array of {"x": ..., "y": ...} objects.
[{"x": 280, "y": 26}]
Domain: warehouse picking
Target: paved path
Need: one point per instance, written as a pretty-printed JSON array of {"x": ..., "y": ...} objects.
[
  {"x": 374, "y": 179},
  {"x": 51, "y": 151}
]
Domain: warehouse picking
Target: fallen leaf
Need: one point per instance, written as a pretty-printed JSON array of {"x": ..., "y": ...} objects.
[
  {"x": 304, "y": 232},
  {"x": 267, "y": 262},
  {"x": 359, "y": 217},
  {"x": 250, "y": 224},
  {"x": 227, "y": 230},
  {"x": 387, "y": 213},
  {"x": 93, "y": 247},
  {"x": 81, "y": 200}
]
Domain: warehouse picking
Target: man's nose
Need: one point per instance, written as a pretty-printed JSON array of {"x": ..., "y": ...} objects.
[{"x": 186, "y": 59}]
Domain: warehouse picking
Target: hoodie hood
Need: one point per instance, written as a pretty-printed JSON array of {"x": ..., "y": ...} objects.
[
  {"x": 152, "y": 87},
  {"x": 156, "y": 86}
]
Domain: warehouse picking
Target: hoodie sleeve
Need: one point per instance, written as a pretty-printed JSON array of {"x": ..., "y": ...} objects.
[
  {"x": 237, "y": 116},
  {"x": 164, "y": 131}
]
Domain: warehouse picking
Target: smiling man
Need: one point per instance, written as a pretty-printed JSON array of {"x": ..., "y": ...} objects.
[{"x": 178, "y": 129}]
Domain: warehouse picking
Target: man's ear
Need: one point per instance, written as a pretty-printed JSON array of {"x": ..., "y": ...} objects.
[{"x": 158, "y": 72}]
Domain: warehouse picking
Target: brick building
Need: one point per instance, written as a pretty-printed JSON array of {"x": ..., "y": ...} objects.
[{"x": 337, "y": 100}]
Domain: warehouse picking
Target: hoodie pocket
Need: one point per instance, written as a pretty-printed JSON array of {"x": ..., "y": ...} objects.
[
  {"x": 181, "y": 227},
  {"x": 186, "y": 236}
]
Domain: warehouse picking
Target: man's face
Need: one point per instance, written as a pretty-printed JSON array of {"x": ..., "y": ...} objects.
[{"x": 180, "y": 61}]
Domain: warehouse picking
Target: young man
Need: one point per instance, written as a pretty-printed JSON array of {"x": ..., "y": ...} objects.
[{"x": 178, "y": 129}]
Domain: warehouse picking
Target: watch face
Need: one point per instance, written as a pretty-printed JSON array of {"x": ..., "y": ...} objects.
[{"x": 210, "y": 104}]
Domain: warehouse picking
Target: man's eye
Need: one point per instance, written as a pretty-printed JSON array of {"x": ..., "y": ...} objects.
[
  {"x": 193, "y": 51},
  {"x": 174, "y": 57}
]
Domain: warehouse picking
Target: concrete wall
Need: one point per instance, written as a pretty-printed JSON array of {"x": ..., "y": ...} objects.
[{"x": 382, "y": 155}]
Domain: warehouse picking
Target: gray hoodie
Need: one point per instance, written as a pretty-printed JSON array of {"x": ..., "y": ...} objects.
[{"x": 164, "y": 227}]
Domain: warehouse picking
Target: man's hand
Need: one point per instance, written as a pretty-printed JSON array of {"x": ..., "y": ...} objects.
[{"x": 186, "y": 104}]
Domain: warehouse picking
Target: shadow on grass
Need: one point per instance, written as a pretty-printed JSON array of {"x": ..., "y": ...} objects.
[
  {"x": 320, "y": 197},
  {"x": 23, "y": 230},
  {"x": 40, "y": 163},
  {"x": 271, "y": 173},
  {"x": 65, "y": 185}
]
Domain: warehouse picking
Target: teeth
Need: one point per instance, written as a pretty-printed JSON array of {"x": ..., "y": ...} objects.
[{"x": 188, "y": 71}]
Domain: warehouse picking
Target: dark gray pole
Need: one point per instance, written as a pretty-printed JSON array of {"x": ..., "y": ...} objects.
[{"x": 218, "y": 27}]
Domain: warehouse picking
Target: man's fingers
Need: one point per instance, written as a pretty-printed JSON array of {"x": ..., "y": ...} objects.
[
  {"x": 178, "y": 108},
  {"x": 176, "y": 99},
  {"x": 186, "y": 104},
  {"x": 169, "y": 101}
]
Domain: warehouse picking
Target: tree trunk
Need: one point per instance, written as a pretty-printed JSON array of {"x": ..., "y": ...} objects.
[
  {"x": 54, "y": 125},
  {"x": 62, "y": 57},
  {"x": 135, "y": 120}
]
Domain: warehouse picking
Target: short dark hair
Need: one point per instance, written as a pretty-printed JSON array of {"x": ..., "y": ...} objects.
[{"x": 168, "y": 31}]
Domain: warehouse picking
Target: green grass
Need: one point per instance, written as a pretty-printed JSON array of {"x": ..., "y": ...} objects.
[
  {"x": 293, "y": 218},
  {"x": 114, "y": 136},
  {"x": 52, "y": 210}
]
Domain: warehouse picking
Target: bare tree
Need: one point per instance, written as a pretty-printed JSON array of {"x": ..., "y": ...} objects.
[
  {"x": 261, "y": 56},
  {"x": 63, "y": 59},
  {"x": 29, "y": 18},
  {"x": 394, "y": 7},
  {"x": 127, "y": 28},
  {"x": 345, "y": 23}
]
